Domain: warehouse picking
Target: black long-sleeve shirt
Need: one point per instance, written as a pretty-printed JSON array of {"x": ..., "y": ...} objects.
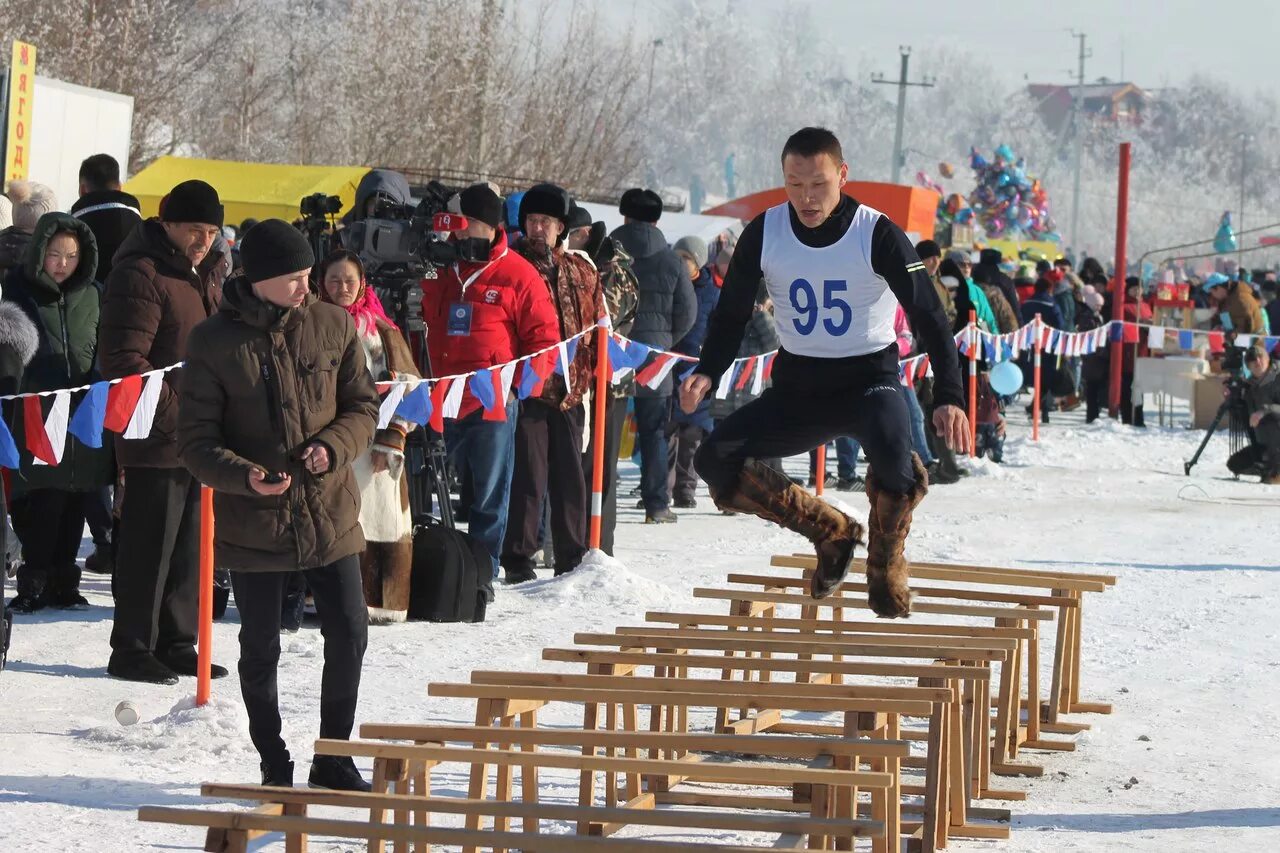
[{"x": 892, "y": 257}]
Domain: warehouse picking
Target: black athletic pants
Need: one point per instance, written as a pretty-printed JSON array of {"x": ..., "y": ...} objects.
[
  {"x": 683, "y": 440},
  {"x": 548, "y": 458},
  {"x": 49, "y": 523},
  {"x": 615, "y": 419},
  {"x": 157, "y": 577},
  {"x": 784, "y": 423},
  {"x": 344, "y": 624}
]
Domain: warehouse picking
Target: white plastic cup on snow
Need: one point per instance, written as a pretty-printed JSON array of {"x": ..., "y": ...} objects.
[{"x": 126, "y": 713}]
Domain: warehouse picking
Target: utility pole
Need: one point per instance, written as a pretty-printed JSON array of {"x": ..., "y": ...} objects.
[
  {"x": 1077, "y": 123},
  {"x": 1245, "y": 139},
  {"x": 902, "y": 84}
]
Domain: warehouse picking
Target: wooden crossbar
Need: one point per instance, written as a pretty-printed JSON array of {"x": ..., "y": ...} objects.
[
  {"x": 987, "y": 575},
  {"x": 781, "y": 746},
  {"x": 757, "y": 664},
  {"x": 402, "y": 833},
  {"x": 879, "y": 626},
  {"x": 847, "y": 601},
  {"x": 726, "y": 821},
  {"x": 661, "y": 686},
  {"x": 820, "y": 633},
  {"x": 743, "y": 641},
  {"x": 960, "y": 594},
  {"x": 710, "y": 699}
]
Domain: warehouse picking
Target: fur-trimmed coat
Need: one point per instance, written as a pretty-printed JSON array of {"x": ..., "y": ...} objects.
[{"x": 387, "y": 563}]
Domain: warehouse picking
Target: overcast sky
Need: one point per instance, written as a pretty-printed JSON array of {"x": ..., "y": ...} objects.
[{"x": 1163, "y": 41}]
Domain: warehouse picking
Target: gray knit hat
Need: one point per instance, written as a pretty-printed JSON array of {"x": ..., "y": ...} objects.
[
  {"x": 695, "y": 248},
  {"x": 31, "y": 200}
]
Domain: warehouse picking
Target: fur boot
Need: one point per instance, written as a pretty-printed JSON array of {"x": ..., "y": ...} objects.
[
  {"x": 766, "y": 492},
  {"x": 889, "y": 522},
  {"x": 385, "y": 569}
]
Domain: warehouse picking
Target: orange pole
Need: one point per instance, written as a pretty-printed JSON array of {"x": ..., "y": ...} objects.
[
  {"x": 974, "y": 341},
  {"x": 820, "y": 478},
  {"x": 1035, "y": 401},
  {"x": 598, "y": 436},
  {"x": 204, "y": 636}
]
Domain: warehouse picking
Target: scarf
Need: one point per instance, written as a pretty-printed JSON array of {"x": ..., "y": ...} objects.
[{"x": 367, "y": 310}]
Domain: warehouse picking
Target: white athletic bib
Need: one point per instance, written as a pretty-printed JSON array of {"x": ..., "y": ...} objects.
[{"x": 828, "y": 303}]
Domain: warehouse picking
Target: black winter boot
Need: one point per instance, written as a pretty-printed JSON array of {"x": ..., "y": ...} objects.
[
  {"x": 337, "y": 773},
  {"x": 277, "y": 774}
]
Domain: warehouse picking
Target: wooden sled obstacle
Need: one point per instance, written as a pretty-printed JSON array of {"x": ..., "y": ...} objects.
[{"x": 810, "y": 729}]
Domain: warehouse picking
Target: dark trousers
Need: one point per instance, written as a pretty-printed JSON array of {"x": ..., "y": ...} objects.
[
  {"x": 548, "y": 459},
  {"x": 49, "y": 523},
  {"x": 783, "y": 423},
  {"x": 652, "y": 414},
  {"x": 344, "y": 624},
  {"x": 683, "y": 440},
  {"x": 615, "y": 419},
  {"x": 97, "y": 514},
  {"x": 157, "y": 577},
  {"x": 1267, "y": 433}
]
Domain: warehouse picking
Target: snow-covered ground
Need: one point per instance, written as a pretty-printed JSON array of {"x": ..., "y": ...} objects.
[{"x": 1185, "y": 647}]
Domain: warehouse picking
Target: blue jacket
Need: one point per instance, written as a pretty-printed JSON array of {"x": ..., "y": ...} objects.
[
  {"x": 707, "y": 294},
  {"x": 1044, "y": 305}
]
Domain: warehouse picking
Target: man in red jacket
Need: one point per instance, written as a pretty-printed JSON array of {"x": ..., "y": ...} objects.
[{"x": 479, "y": 315}]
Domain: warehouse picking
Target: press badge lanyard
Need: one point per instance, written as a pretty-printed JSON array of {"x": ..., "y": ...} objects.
[{"x": 459, "y": 322}]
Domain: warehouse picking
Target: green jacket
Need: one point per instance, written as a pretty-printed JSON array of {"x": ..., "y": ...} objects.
[
  {"x": 982, "y": 307},
  {"x": 66, "y": 321}
]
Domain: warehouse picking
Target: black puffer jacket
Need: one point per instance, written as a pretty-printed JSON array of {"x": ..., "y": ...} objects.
[
  {"x": 111, "y": 215},
  {"x": 668, "y": 306}
]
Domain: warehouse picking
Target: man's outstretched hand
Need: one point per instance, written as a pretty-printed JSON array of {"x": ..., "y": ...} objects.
[
  {"x": 951, "y": 424},
  {"x": 692, "y": 391}
]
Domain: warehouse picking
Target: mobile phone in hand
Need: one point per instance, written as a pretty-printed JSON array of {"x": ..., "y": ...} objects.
[{"x": 272, "y": 478}]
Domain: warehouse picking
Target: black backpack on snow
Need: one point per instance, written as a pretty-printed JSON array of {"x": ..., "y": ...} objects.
[{"x": 452, "y": 578}]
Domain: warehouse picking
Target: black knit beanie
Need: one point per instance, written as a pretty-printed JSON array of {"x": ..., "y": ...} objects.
[
  {"x": 274, "y": 247},
  {"x": 641, "y": 205},
  {"x": 926, "y": 249},
  {"x": 481, "y": 203},
  {"x": 579, "y": 217},
  {"x": 193, "y": 201}
]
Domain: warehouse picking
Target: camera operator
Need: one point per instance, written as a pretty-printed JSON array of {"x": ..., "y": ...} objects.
[
  {"x": 1263, "y": 397},
  {"x": 479, "y": 315},
  {"x": 377, "y": 188},
  {"x": 277, "y": 403}
]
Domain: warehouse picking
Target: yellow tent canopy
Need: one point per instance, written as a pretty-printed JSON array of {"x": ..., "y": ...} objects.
[{"x": 247, "y": 190}]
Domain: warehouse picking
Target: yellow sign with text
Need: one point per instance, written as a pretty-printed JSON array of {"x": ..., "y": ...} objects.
[{"x": 22, "y": 84}]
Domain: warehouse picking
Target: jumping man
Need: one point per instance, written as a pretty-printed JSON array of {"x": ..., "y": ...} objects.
[{"x": 836, "y": 270}]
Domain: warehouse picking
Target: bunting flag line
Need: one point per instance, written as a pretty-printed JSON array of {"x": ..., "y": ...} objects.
[
  {"x": 38, "y": 443},
  {"x": 726, "y": 383},
  {"x": 9, "y": 457},
  {"x": 497, "y": 410},
  {"x": 90, "y": 416},
  {"x": 453, "y": 400},
  {"x": 145, "y": 414},
  {"x": 657, "y": 370},
  {"x": 416, "y": 405},
  {"x": 745, "y": 376},
  {"x": 436, "y": 413},
  {"x": 122, "y": 399},
  {"x": 757, "y": 381},
  {"x": 390, "y": 403}
]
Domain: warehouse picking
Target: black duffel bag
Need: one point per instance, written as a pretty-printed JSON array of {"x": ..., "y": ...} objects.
[{"x": 452, "y": 578}]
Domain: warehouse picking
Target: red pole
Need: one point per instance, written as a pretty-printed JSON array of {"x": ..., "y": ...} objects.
[
  {"x": 974, "y": 339},
  {"x": 598, "y": 436},
  {"x": 1035, "y": 401},
  {"x": 1117, "y": 312},
  {"x": 820, "y": 474},
  {"x": 204, "y": 634}
]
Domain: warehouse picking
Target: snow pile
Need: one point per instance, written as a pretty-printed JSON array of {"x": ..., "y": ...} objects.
[
  {"x": 219, "y": 728},
  {"x": 601, "y": 584}
]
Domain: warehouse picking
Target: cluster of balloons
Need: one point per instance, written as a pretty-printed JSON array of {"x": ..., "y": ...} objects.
[{"x": 1007, "y": 202}]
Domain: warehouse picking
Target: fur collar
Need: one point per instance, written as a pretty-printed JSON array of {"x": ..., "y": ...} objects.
[{"x": 17, "y": 331}]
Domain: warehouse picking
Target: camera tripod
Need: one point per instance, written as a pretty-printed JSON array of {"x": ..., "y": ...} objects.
[{"x": 1235, "y": 409}]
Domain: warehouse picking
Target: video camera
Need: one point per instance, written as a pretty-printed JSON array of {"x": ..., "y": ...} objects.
[
  {"x": 318, "y": 213},
  {"x": 413, "y": 240}
]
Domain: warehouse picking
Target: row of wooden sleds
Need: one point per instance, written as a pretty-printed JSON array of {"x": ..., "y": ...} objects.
[{"x": 786, "y": 723}]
